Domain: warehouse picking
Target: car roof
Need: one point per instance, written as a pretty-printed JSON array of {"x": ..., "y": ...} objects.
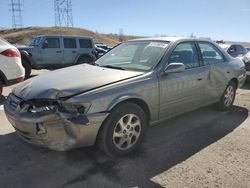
[
  {"x": 170, "y": 39},
  {"x": 73, "y": 36}
]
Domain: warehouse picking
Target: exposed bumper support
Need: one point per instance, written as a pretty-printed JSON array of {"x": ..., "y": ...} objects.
[{"x": 56, "y": 131}]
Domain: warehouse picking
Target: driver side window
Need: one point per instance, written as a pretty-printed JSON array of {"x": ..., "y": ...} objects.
[
  {"x": 52, "y": 43},
  {"x": 185, "y": 53}
]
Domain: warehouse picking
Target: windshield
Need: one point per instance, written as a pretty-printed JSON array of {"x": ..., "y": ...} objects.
[
  {"x": 142, "y": 56},
  {"x": 36, "y": 41}
]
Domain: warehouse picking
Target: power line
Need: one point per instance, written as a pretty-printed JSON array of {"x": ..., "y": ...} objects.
[
  {"x": 16, "y": 10},
  {"x": 63, "y": 13}
]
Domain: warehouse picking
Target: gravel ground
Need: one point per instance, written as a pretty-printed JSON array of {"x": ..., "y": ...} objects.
[{"x": 203, "y": 148}]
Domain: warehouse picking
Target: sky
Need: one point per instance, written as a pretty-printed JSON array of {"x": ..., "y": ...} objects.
[{"x": 217, "y": 19}]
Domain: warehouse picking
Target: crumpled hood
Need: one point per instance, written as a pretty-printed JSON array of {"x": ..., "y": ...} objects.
[{"x": 70, "y": 81}]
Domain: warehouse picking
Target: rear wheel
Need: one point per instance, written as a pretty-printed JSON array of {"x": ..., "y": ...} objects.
[
  {"x": 85, "y": 59},
  {"x": 27, "y": 68},
  {"x": 228, "y": 97},
  {"x": 122, "y": 132},
  {"x": 1, "y": 87}
]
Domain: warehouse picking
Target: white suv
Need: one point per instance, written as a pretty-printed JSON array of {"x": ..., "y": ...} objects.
[{"x": 11, "y": 69}]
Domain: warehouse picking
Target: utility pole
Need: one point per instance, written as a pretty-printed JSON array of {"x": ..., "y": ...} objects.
[
  {"x": 16, "y": 10},
  {"x": 63, "y": 13}
]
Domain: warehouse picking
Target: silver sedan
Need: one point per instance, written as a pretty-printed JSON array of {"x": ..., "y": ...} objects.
[{"x": 133, "y": 86}]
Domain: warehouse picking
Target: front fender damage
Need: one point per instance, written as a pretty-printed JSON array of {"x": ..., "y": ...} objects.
[
  {"x": 63, "y": 130},
  {"x": 67, "y": 131}
]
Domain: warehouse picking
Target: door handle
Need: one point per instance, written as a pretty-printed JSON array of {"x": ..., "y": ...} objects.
[
  {"x": 58, "y": 51},
  {"x": 228, "y": 72},
  {"x": 199, "y": 79},
  {"x": 73, "y": 51}
]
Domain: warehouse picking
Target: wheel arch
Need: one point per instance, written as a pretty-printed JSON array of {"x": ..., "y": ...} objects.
[
  {"x": 25, "y": 55},
  {"x": 136, "y": 100},
  {"x": 235, "y": 81},
  {"x": 3, "y": 78},
  {"x": 84, "y": 55}
]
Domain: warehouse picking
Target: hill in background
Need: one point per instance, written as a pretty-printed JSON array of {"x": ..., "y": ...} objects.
[{"x": 24, "y": 35}]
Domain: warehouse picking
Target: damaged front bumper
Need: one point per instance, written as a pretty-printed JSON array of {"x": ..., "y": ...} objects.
[{"x": 56, "y": 131}]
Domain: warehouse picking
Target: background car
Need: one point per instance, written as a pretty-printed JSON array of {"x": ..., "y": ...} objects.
[
  {"x": 235, "y": 50},
  {"x": 53, "y": 51},
  {"x": 246, "y": 60},
  {"x": 103, "y": 46},
  {"x": 112, "y": 102},
  {"x": 11, "y": 69},
  {"x": 100, "y": 52}
]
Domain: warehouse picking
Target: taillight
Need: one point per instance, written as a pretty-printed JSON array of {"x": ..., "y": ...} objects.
[{"x": 11, "y": 52}]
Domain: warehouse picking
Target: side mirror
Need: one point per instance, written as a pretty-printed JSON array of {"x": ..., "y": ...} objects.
[
  {"x": 174, "y": 68},
  {"x": 45, "y": 44}
]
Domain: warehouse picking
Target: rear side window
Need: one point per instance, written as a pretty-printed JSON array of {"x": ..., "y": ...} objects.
[
  {"x": 185, "y": 53},
  {"x": 210, "y": 53},
  {"x": 85, "y": 43},
  {"x": 69, "y": 43},
  {"x": 52, "y": 43},
  {"x": 241, "y": 49}
]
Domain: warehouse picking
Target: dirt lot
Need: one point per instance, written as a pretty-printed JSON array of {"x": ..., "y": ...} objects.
[{"x": 203, "y": 148}]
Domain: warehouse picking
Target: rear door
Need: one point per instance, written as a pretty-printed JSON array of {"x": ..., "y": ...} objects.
[
  {"x": 70, "y": 50},
  {"x": 184, "y": 91},
  {"x": 51, "y": 51},
  {"x": 86, "y": 45},
  {"x": 220, "y": 72}
]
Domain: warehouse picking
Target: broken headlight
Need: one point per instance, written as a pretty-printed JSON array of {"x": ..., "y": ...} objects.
[
  {"x": 38, "y": 106},
  {"x": 47, "y": 105},
  {"x": 75, "y": 108}
]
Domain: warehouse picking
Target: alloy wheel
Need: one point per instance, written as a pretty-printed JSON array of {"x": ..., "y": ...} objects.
[
  {"x": 229, "y": 96},
  {"x": 127, "y": 131}
]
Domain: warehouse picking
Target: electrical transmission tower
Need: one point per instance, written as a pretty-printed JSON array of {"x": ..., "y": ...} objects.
[
  {"x": 63, "y": 13},
  {"x": 16, "y": 10}
]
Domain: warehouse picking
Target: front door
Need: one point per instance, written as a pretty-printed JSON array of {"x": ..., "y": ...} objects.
[
  {"x": 180, "y": 92},
  {"x": 51, "y": 52}
]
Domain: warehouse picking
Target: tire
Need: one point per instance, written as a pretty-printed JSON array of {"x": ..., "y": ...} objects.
[
  {"x": 27, "y": 68},
  {"x": 1, "y": 87},
  {"x": 117, "y": 136},
  {"x": 85, "y": 59},
  {"x": 227, "y": 99}
]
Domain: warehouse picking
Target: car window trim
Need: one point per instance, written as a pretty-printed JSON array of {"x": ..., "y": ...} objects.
[
  {"x": 70, "y": 39},
  {"x": 188, "y": 41},
  {"x": 218, "y": 50},
  {"x": 51, "y": 38}
]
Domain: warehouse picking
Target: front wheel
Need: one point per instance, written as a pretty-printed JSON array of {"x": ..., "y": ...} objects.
[
  {"x": 85, "y": 59},
  {"x": 27, "y": 68},
  {"x": 227, "y": 98},
  {"x": 122, "y": 132},
  {"x": 1, "y": 87}
]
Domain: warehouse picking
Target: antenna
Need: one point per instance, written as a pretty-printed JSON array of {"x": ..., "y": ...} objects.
[
  {"x": 16, "y": 10},
  {"x": 63, "y": 13}
]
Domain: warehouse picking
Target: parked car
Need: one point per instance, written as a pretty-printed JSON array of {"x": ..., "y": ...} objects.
[
  {"x": 11, "y": 69},
  {"x": 112, "y": 102},
  {"x": 53, "y": 51},
  {"x": 100, "y": 52},
  {"x": 103, "y": 46},
  {"x": 246, "y": 60},
  {"x": 235, "y": 50}
]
